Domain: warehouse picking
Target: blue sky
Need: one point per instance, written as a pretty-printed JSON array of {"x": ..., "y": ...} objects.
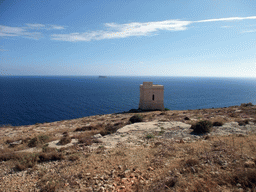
[{"x": 129, "y": 38}]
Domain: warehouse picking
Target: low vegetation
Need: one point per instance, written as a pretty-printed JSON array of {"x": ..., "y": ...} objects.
[
  {"x": 211, "y": 163},
  {"x": 202, "y": 127},
  {"x": 38, "y": 140},
  {"x": 217, "y": 123},
  {"x": 65, "y": 140},
  {"x": 136, "y": 119}
]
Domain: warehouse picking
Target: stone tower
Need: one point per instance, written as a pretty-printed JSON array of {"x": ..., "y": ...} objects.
[{"x": 151, "y": 96}]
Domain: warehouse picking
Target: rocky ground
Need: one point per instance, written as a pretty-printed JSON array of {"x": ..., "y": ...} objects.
[{"x": 109, "y": 153}]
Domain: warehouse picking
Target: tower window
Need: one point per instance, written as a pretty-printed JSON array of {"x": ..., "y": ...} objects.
[{"x": 153, "y": 97}]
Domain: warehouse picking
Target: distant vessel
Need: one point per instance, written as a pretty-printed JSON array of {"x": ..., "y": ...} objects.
[{"x": 102, "y": 76}]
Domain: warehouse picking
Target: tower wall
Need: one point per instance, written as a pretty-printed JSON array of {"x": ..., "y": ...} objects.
[{"x": 151, "y": 96}]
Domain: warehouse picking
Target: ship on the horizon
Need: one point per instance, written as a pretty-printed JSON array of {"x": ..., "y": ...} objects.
[{"x": 102, "y": 76}]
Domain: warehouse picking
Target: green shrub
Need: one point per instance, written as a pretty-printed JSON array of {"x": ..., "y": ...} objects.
[
  {"x": 202, "y": 127},
  {"x": 150, "y": 136},
  {"x": 136, "y": 119}
]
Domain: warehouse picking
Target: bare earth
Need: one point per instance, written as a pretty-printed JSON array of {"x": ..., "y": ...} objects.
[{"x": 107, "y": 153}]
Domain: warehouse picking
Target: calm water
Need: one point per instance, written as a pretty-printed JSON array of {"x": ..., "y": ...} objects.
[{"x": 30, "y": 100}]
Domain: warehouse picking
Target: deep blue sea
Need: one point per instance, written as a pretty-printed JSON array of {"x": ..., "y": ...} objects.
[{"x": 28, "y": 100}]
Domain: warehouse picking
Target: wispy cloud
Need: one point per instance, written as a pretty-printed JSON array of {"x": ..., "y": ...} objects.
[
  {"x": 112, "y": 30},
  {"x": 226, "y": 26},
  {"x": 6, "y": 31},
  {"x": 28, "y": 31},
  {"x": 125, "y": 30},
  {"x": 249, "y": 31},
  {"x": 115, "y": 30},
  {"x": 225, "y": 19},
  {"x": 37, "y": 26},
  {"x": 56, "y": 27}
]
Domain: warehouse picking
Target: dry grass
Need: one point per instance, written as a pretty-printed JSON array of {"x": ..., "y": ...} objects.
[
  {"x": 224, "y": 163},
  {"x": 65, "y": 140}
]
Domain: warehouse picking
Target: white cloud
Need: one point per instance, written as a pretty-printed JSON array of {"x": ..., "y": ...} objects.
[
  {"x": 226, "y": 19},
  {"x": 56, "y": 27},
  {"x": 28, "y": 31},
  {"x": 6, "y": 31},
  {"x": 226, "y": 26},
  {"x": 124, "y": 30},
  {"x": 35, "y": 26},
  {"x": 38, "y": 26},
  {"x": 115, "y": 30}
]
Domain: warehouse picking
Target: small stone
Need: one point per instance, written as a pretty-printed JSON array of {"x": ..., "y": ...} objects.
[
  {"x": 238, "y": 185},
  {"x": 97, "y": 136},
  {"x": 132, "y": 175},
  {"x": 127, "y": 171},
  {"x": 150, "y": 169},
  {"x": 122, "y": 187},
  {"x": 123, "y": 180},
  {"x": 182, "y": 141},
  {"x": 193, "y": 169},
  {"x": 15, "y": 143},
  {"x": 249, "y": 164}
]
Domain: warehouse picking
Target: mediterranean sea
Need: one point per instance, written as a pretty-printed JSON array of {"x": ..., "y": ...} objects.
[{"x": 26, "y": 100}]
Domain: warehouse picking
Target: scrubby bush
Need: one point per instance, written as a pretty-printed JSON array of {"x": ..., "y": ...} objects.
[
  {"x": 191, "y": 162},
  {"x": 246, "y": 104},
  {"x": 136, "y": 119},
  {"x": 6, "y": 156},
  {"x": 87, "y": 128},
  {"x": 53, "y": 156},
  {"x": 86, "y": 141},
  {"x": 217, "y": 123},
  {"x": 150, "y": 136},
  {"x": 243, "y": 123},
  {"x": 111, "y": 128},
  {"x": 26, "y": 161},
  {"x": 73, "y": 158},
  {"x": 65, "y": 140},
  {"x": 247, "y": 178},
  {"x": 202, "y": 127},
  {"x": 41, "y": 139}
]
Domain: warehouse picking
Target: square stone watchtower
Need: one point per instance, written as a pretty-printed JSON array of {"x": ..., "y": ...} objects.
[{"x": 151, "y": 96}]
